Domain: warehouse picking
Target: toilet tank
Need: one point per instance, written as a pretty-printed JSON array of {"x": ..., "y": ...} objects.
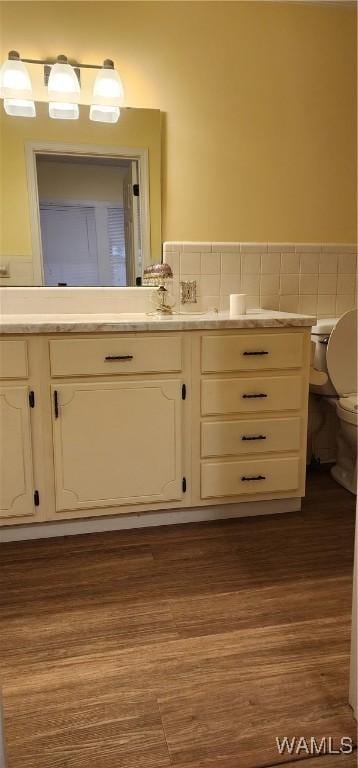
[{"x": 319, "y": 335}]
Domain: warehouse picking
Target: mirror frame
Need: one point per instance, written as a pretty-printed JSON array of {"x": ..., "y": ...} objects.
[{"x": 34, "y": 148}]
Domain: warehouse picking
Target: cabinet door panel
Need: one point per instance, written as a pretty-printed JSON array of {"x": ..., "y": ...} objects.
[
  {"x": 16, "y": 482},
  {"x": 118, "y": 443}
]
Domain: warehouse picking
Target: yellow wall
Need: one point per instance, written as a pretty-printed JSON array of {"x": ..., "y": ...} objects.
[
  {"x": 79, "y": 181},
  {"x": 260, "y": 100}
]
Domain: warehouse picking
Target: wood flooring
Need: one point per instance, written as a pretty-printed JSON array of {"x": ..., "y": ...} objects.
[{"x": 186, "y": 646}]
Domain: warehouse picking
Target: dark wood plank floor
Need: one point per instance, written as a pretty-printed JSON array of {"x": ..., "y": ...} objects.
[{"x": 191, "y": 646}]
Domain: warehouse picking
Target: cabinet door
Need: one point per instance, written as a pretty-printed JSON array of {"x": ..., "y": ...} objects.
[
  {"x": 117, "y": 443},
  {"x": 16, "y": 473}
]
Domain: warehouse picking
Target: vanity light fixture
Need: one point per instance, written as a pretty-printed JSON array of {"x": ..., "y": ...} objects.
[
  {"x": 108, "y": 94},
  {"x": 63, "y": 89},
  {"x": 16, "y": 88}
]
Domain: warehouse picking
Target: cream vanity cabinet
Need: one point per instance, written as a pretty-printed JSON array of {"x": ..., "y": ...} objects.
[
  {"x": 253, "y": 414},
  {"x": 120, "y": 423},
  {"x": 17, "y": 493},
  {"x": 119, "y": 441}
]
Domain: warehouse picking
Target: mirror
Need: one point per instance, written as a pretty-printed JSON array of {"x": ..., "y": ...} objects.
[{"x": 81, "y": 201}]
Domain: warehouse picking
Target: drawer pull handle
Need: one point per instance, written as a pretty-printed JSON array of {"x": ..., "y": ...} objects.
[
  {"x": 259, "y": 394},
  {"x": 261, "y": 352},
  {"x": 253, "y": 477},
  {"x": 253, "y": 437},
  {"x": 111, "y": 358}
]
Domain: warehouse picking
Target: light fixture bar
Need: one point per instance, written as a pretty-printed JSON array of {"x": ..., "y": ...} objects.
[{"x": 49, "y": 62}]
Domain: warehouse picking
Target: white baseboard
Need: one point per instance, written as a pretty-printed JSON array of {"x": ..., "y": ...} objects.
[{"x": 147, "y": 519}]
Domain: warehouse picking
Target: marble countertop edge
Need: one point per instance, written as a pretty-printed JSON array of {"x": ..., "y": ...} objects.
[{"x": 101, "y": 323}]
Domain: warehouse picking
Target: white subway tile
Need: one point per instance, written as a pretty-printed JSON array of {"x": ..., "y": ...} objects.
[
  {"x": 224, "y": 302},
  {"x": 226, "y": 247},
  {"x": 347, "y": 263},
  {"x": 172, "y": 258},
  {"x": 326, "y": 305},
  {"x": 250, "y": 263},
  {"x": 327, "y": 284},
  {"x": 309, "y": 263},
  {"x": 253, "y": 302},
  {"x": 344, "y": 303},
  {"x": 250, "y": 284},
  {"x": 280, "y": 247},
  {"x": 290, "y": 263},
  {"x": 308, "y": 284},
  {"x": 289, "y": 303},
  {"x": 210, "y": 303},
  {"x": 230, "y": 263},
  {"x": 328, "y": 263},
  {"x": 270, "y": 263},
  {"x": 289, "y": 284},
  {"x": 190, "y": 263},
  {"x": 270, "y": 284},
  {"x": 270, "y": 301},
  {"x": 172, "y": 246},
  {"x": 346, "y": 284},
  {"x": 254, "y": 247},
  {"x": 308, "y": 303},
  {"x": 230, "y": 284},
  {"x": 308, "y": 248},
  {"x": 196, "y": 247},
  {"x": 210, "y": 285},
  {"x": 210, "y": 263}
]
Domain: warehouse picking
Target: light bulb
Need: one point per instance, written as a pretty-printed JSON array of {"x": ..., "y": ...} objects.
[
  {"x": 63, "y": 81},
  {"x": 15, "y": 80},
  {"x": 108, "y": 88},
  {"x": 102, "y": 114},
  {"x": 61, "y": 110},
  {"x": 20, "y": 107}
]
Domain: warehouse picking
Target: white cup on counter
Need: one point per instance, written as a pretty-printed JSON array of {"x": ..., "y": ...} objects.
[{"x": 237, "y": 304}]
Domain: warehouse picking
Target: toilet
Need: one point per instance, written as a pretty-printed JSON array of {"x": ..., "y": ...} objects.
[{"x": 341, "y": 360}]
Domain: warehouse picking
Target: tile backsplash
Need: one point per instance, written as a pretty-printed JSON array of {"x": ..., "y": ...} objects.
[{"x": 311, "y": 278}]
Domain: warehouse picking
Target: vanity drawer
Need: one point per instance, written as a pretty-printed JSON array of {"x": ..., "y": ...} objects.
[
  {"x": 236, "y": 478},
  {"x": 115, "y": 355},
  {"x": 273, "y": 393},
  {"x": 13, "y": 359},
  {"x": 251, "y": 352},
  {"x": 232, "y": 438}
]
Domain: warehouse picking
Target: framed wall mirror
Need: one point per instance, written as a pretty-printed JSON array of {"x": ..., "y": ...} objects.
[{"x": 81, "y": 202}]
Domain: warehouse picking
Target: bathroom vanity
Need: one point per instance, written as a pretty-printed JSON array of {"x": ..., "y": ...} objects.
[{"x": 128, "y": 416}]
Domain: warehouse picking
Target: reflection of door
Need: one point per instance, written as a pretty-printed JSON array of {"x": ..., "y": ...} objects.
[
  {"x": 103, "y": 443},
  {"x": 131, "y": 222},
  {"x": 83, "y": 243},
  {"x": 69, "y": 244}
]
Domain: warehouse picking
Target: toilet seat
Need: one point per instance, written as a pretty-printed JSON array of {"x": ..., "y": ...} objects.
[
  {"x": 347, "y": 409},
  {"x": 342, "y": 358}
]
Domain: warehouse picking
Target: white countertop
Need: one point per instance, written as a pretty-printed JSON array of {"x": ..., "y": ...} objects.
[{"x": 117, "y": 323}]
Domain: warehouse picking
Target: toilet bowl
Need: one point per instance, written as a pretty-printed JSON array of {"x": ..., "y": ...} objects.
[{"x": 341, "y": 358}]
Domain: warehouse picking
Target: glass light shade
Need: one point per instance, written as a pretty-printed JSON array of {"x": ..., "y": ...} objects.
[
  {"x": 108, "y": 88},
  {"x": 62, "y": 110},
  {"x": 63, "y": 81},
  {"x": 20, "y": 107},
  {"x": 15, "y": 79},
  {"x": 102, "y": 114}
]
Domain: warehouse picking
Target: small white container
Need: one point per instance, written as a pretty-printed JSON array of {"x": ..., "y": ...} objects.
[{"x": 237, "y": 304}]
